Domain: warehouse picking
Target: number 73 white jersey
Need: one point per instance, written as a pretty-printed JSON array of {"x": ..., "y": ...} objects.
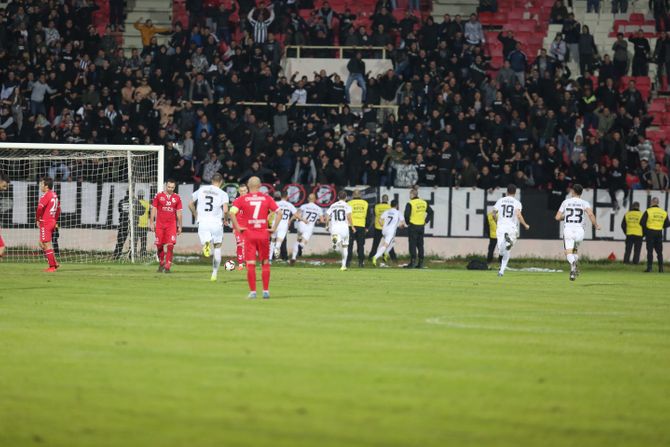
[
  {"x": 210, "y": 200},
  {"x": 574, "y": 212},
  {"x": 507, "y": 207}
]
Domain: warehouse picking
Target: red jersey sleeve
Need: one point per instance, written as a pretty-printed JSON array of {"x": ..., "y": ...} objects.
[
  {"x": 57, "y": 211},
  {"x": 272, "y": 205},
  {"x": 155, "y": 203},
  {"x": 41, "y": 205},
  {"x": 178, "y": 206}
]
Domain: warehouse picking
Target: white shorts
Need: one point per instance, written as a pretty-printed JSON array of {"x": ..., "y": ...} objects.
[
  {"x": 210, "y": 232},
  {"x": 500, "y": 235},
  {"x": 572, "y": 237},
  {"x": 305, "y": 231},
  {"x": 281, "y": 232},
  {"x": 388, "y": 237},
  {"x": 342, "y": 234}
]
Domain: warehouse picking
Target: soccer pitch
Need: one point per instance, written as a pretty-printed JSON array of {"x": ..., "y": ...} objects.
[{"x": 111, "y": 355}]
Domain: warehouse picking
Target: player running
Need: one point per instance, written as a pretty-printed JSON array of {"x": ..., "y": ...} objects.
[
  {"x": 507, "y": 212},
  {"x": 390, "y": 220},
  {"x": 165, "y": 220},
  {"x": 257, "y": 207},
  {"x": 338, "y": 220},
  {"x": 212, "y": 206},
  {"x": 46, "y": 216},
  {"x": 572, "y": 212},
  {"x": 4, "y": 184},
  {"x": 239, "y": 238},
  {"x": 310, "y": 213},
  {"x": 287, "y": 212}
]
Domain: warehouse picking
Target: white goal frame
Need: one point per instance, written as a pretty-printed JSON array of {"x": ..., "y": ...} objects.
[{"x": 128, "y": 148}]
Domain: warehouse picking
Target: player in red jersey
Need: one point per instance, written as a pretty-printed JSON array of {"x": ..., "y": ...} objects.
[
  {"x": 239, "y": 238},
  {"x": 46, "y": 217},
  {"x": 4, "y": 184},
  {"x": 256, "y": 207},
  {"x": 165, "y": 220}
]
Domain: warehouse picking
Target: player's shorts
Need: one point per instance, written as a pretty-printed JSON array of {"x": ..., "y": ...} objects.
[
  {"x": 388, "y": 237},
  {"x": 281, "y": 232},
  {"x": 166, "y": 235},
  {"x": 210, "y": 232},
  {"x": 2, "y": 242},
  {"x": 500, "y": 235},
  {"x": 256, "y": 245},
  {"x": 572, "y": 237},
  {"x": 342, "y": 234},
  {"x": 305, "y": 231},
  {"x": 46, "y": 231}
]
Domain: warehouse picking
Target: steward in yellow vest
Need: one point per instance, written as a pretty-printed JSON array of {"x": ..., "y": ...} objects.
[
  {"x": 490, "y": 227},
  {"x": 631, "y": 226},
  {"x": 417, "y": 214},
  {"x": 360, "y": 217},
  {"x": 653, "y": 222}
]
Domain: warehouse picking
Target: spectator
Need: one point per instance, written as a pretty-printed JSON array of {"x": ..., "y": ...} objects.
[
  {"x": 116, "y": 15},
  {"x": 642, "y": 51},
  {"x": 587, "y": 51},
  {"x": 406, "y": 173},
  {"x": 148, "y": 30},
  {"x": 487, "y": 6},
  {"x": 619, "y": 6},
  {"x": 571, "y": 33},
  {"x": 558, "y": 49},
  {"x": 593, "y": 6},
  {"x": 657, "y": 179},
  {"x": 620, "y": 49},
  {"x": 260, "y": 19},
  {"x": 518, "y": 62},
  {"x": 558, "y": 12},
  {"x": 356, "y": 68},
  {"x": 508, "y": 41},
  {"x": 474, "y": 33}
]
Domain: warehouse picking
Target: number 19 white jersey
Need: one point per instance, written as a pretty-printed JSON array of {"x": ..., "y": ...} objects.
[
  {"x": 338, "y": 213},
  {"x": 574, "y": 212},
  {"x": 210, "y": 201},
  {"x": 506, "y": 207}
]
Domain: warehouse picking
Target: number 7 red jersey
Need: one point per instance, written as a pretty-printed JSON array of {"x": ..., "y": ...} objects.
[
  {"x": 256, "y": 208},
  {"x": 48, "y": 209}
]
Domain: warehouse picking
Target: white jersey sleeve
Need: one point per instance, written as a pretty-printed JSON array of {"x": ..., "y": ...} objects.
[{"x": 210, "y": 201}]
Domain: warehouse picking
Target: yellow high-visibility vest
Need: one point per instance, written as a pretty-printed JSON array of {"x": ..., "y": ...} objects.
[
  {"x": 143, "y": 221},
  {"x": 379, "y": 210},
  {"x": 633, "y": 227},
  {"x": 419, "y": 210},
  {"x": 359, "y": 212},
  {"x": 493, "y": 226},
  {"x": 656, "y": 218}
]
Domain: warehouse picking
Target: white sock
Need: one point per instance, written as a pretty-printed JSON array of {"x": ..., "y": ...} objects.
[
  {"x": 504, "y": 261},
  {"x": 216, "y": 262},
  {"x": 380, "y": 251},
  {"x": 576, "y": 257},
  {"x": 294, "y": 255},
  {"x": 345, "y": 252},
  {"x": 272, "y": 250},
  {"x": 571, "y": 260}
]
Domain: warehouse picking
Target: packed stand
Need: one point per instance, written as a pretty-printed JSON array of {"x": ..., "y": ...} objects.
[{"x": 460, "y": 121}]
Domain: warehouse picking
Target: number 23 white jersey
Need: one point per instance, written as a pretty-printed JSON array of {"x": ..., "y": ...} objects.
[
  {"x": 210, "y": 201},
  {"x": 574, "y": 212},
  {"x": 506, "y": 207}
]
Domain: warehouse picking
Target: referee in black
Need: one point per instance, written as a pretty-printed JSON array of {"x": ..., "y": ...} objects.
[
  {"x": 653, "y": 222},
  {"x": 417, "y": 214}
]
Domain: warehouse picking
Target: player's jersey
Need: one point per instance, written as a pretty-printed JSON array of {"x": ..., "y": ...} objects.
[
  {"x": 506, "y": 208},
  {"x": 574, "y": 212},
  {"x": 338, "y": 213},
  {"x": 311, "y": 212},
  {"x": 166, "y": 209},
  {"x": 210, "y": 201},
  {"x": 255, "y": 207},
  {"x": 286, "y": 210},
  {"x": 48, "y": 209},
  {"x": 391, "y": 219}
]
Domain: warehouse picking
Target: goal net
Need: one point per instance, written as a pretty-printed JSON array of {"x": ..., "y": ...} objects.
[{"x": 105, "y": 192}]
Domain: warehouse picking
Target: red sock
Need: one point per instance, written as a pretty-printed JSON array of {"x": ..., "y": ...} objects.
[
  {"x": 161, "y": 261},
  {"x": 266, "y": 276},
  {"x": 51, "y": 258},
  {"x": 240, "y": 250},
  {"x": 251, "y": 276},
  {"x": 168, "y": 257}
]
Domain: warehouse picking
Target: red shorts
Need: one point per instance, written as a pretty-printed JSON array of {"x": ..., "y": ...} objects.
[
  {"x": 46, "y": 230},
  {"x": 256, "y": 244},
  {"x": 2, "y": 242},
  {"x": 166, "y": 235}
]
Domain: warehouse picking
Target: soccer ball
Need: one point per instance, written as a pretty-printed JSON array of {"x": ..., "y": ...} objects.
[{"x": 229, "y": 265}]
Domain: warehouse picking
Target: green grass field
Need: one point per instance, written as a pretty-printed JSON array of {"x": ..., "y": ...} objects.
[{"x": 109, "y": 355}]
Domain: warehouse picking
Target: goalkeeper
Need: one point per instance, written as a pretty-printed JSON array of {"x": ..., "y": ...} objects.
[{"x": 124, "y": 222}]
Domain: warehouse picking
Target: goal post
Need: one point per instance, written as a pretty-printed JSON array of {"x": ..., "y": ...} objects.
[{"x": 105, "y": 192}]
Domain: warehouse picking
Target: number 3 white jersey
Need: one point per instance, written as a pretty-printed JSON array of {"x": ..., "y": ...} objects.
[
  {"x": 506, "y": 207},
  {"x": 391, "y": 219},
  {"x": 338, "y": 212},
  {"x": 285, "y": 211},
  {"x": 210, "y": 201},
  {"x": 574, "y": 213}
]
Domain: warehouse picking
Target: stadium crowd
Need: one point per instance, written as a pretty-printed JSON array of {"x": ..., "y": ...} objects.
[{"x": 460, "y": 121}]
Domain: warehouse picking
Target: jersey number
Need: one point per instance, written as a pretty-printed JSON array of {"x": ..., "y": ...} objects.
[
  {"x": 339, "y": 215},
  {"x": 257, "y": 208},
  {"x": 574, "y": 215},
  {"x": 508, "y": 211},
  {"x": 311, "y": 217},
  {"x": 54, "y": 206},
  {"x": 286, "y": 215},
  {"x": 390, "y": 219},
  {"x": 209, "y": 205}
]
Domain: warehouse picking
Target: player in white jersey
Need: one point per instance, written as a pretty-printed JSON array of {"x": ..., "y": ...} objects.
[
  {"x": 286, "y": 212},
  {"x": 507, "y": 212},
  {"x": 338, "y": 221},
  {"x": 390, "y": 220},
  {"x": 571, "y": 213},
  {"x": 212, "y": 207},
  {"x": 310, "y": 214}
]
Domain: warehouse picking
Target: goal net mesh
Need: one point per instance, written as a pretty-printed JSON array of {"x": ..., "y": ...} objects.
[{"x": 105, "y": 197}]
